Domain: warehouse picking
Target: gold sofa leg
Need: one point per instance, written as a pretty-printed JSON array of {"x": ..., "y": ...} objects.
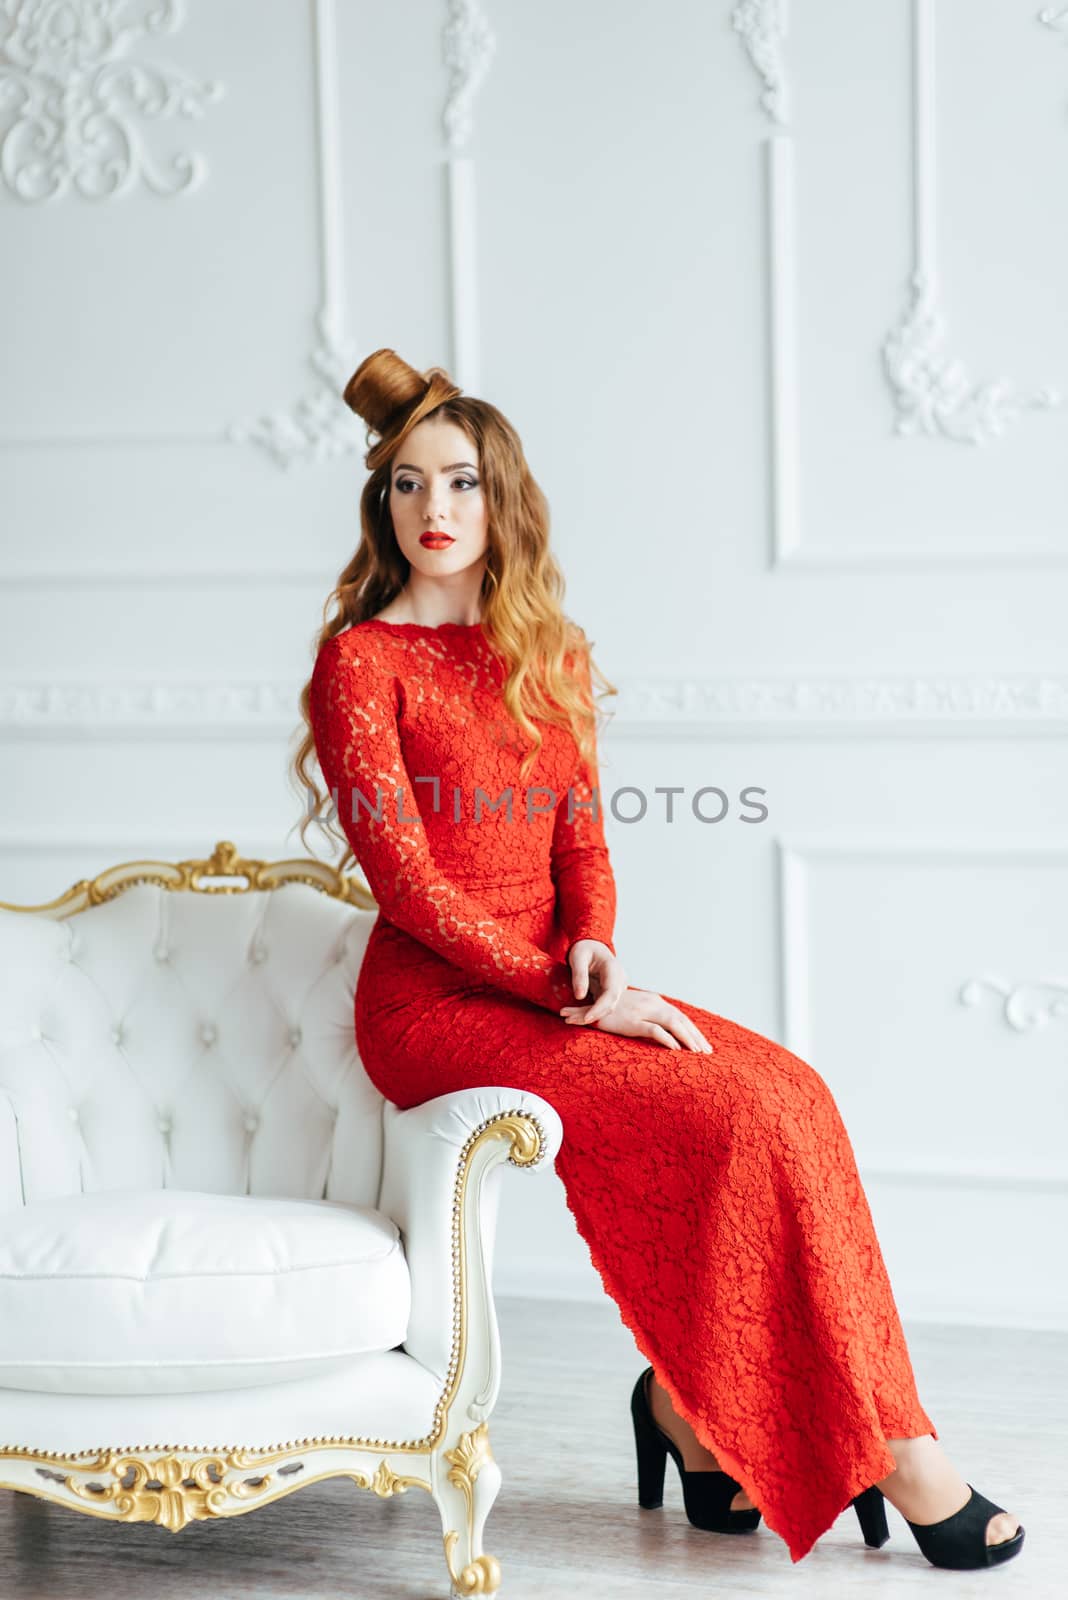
[{"x": 466, "y": 1479}]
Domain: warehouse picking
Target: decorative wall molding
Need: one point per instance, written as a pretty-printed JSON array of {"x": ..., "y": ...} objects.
[
  {"x": 317, "y": 426},
  {"x": 320, "y": 425},
  {"x": 932, "y": 391},
  {"x": 784, "y": 382},
  {"x": 177, "y": 709},
  {"x": 762, "y": 26},
  {"x": 468, "y": 47},
  {"x": 910, "y": 701},
  {"x": 668, "y": 708},
  {"x": 1055, "y": 17},
  {"x": 1025, "y": 1006},
  {"x": 795, "y": 857},
  {"x": 79, "y": 97}
]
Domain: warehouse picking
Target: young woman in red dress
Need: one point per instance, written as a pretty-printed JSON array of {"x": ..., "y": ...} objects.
[{"x": 707, "y": 1168}]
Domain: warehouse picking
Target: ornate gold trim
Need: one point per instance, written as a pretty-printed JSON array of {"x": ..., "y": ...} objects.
[
  {"x": 483, "y": 1576},
  {"x": 174, "y": 1491},
  {"x": 526, "y": 1133},
  {"x": 386, "y": 1482},
  {"x": 528, "y": 1143},
  {"x": 171, "y": 1490},
  {"x": 466, "y": 1460},
  {"x": 195, "y": 875}
]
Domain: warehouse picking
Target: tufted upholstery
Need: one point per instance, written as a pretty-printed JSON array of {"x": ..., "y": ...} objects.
[
  {"x": 217, "y": 1236},
  {"x": 189, "y": 1041}
]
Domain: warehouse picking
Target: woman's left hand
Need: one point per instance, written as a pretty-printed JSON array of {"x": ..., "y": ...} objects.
[{"x": 595, "y": 972}]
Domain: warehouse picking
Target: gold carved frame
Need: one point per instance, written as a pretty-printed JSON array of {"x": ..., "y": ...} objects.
[{"x": 176, "y": 1484}]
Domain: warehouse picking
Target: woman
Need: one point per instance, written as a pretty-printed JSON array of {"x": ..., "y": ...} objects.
[{"x": 451, "y": 709}]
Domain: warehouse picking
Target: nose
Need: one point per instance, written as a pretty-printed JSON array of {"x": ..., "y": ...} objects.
[{"x": 433, "y": 506}]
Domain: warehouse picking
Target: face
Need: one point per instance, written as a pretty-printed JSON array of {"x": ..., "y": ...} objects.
[{"x": 435, "y": 487}]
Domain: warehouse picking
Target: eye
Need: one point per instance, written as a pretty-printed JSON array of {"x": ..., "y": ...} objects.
[{"x": 467, "y": 483}]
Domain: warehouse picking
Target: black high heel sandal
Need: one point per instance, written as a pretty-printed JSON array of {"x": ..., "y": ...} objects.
[
  {"x": 958, "y": 1541},
  {"x": 707, "y": 1495}
]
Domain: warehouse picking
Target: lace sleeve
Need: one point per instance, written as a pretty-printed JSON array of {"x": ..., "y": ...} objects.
[
  {"x": 581, "y": 869},
  {"x": 353, "y": 705}
]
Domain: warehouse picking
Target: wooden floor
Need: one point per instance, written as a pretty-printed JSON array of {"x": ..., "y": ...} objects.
[{"x": 567, "y": 1522}]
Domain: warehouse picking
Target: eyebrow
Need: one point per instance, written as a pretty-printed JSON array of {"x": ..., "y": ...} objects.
[{"x": 406, "y": 466}]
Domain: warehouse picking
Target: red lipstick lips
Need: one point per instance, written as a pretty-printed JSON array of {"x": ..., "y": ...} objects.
[{"x": 436, "y": 541}]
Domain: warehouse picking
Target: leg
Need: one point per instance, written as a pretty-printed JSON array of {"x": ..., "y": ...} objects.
[
  {"x": 695, "y": 1457},
  {"x": 925, "y": 1487},
  {"x": 466, "y": 1480},
  {"x": 722, "y": 1208}
]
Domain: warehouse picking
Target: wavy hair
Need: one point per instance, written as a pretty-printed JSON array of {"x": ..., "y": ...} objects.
[{"x": 545, "y": 654}]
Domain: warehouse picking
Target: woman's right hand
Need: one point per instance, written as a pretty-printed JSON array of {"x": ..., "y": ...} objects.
[{"x": 644, "y": 1014}]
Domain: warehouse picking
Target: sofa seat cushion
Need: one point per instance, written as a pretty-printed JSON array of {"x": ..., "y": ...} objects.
[{"x": 169, "y": 1290}]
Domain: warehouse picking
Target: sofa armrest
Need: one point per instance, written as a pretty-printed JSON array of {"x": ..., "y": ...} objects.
[
  {"x": 441, "y": 1166},
  {"x": 10, "y": 1163}
]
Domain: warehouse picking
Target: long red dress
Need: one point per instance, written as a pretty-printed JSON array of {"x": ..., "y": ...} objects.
[{"x": 718, "y": 1194}]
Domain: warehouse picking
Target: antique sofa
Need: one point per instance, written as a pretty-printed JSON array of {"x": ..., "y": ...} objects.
[{"x": 229, "y": 1268}]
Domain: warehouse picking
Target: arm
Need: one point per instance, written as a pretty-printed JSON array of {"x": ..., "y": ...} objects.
[
  {"x": 581, "y": 869},
  {"x": 353, "y": 710}
]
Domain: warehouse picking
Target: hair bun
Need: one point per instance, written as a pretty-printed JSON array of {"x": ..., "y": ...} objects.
[
  {"x": 385, "y": 385},
  {"x": 392, "y": 397}
]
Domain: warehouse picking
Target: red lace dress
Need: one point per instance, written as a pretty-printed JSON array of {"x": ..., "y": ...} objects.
[{"x": 718, "y": 1195}]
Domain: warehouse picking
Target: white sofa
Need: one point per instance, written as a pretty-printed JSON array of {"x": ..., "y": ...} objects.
[{"x": 228, "y": 1266}]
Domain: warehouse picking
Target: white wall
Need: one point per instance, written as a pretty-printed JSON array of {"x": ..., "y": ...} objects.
[{"x": 677, "y": 244}]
